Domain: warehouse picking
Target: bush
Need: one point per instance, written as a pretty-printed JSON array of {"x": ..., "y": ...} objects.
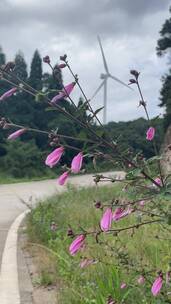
[{"x": 23, "y": 159}]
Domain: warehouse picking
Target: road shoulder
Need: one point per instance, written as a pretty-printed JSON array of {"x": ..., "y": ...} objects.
[{"x": 31, "y": 291}]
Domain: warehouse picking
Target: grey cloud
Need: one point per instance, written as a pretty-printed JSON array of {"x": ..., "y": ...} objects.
[
  {"x": 139, "y": 8},
  {"x": 87, "y": 17},
  {"x": 128, "y": 28}
]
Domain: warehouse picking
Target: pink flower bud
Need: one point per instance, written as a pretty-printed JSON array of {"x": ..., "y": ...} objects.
[
  {"x": 62, "y": 65},
  {"x": 98, "y": 205},
  {"x": 70, "y": 232},
  {"x": 135, "y": 73},
  {"x": 141, "y": 280},
  {"x": 106, "y": 220},
  {"x": 46, "y": 59},
  {"x": 63, "y": 58},
  {"x": 62, "y": 178},
  {"x": 64, "y": 93},
  {"x": 16, "y": 134},
  {"x": 77, "y": 244},
  {"x": 76, "y": 163},
  {"x": 54, "y": 157},
  {"x": 157, "y": 285},
  {"x": 7, "y": 94},
  {"x": 131, "y": 81},
  {"x": 158, "y": 181},
  {"x": 123, "y": 285},
  {"x": 150, "y": 133}
]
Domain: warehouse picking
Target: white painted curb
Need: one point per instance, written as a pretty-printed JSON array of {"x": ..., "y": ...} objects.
[{"x": 9, "y": 285}]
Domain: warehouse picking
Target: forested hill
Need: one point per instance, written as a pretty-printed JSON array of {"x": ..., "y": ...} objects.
[{"x": 25, "y": 157}]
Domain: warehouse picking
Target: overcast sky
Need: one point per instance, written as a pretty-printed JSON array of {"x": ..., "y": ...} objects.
[{"x": 128, "y": 30}]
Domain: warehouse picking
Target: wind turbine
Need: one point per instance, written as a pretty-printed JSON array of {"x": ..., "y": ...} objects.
[{"x": 105, "y": 76}]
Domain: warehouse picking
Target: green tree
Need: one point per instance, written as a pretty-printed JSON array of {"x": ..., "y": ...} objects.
[
  {"x": 163, "y": 48},
  {"x": 35, "y": 78},
  {"x": 132, "y": 134},
  {"x": 2, "y": 57},
  {"x": 23, "y": 159},
  {"x": 20, "y": 66},
  {"x": 3, "y": 84},
  {"x": 20, "y": 110}
]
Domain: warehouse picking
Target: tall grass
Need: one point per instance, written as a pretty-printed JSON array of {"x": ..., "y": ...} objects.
[{"x": 117, "y": 259}]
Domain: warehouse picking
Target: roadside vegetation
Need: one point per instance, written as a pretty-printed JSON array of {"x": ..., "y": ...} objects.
[{"x": 114, "y": 259}]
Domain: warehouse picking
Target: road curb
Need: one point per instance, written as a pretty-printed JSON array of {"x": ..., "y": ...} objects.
[
  {"x": 9, "y": 283},
  {"x": 25, "y": 283}
]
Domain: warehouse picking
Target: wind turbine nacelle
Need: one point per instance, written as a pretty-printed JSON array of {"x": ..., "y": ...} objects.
[{"x": 103, "y": 76}]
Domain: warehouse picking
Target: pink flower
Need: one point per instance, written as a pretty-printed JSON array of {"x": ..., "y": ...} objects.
[
  {"x": 157, "y": 285},
  {"x": 64, "y": 93},
  {"x": 106, "y": 220},
  {"x": 53, "y": 227},
  {"x": 54, "y": 157},
  {"x": 150, "y": 133},
  {"x": 158, "y": 181},
  {"x": 110, "y": 300},
  {"x": 16, "y": 134},
  {"x": 7, "y": 94},
  {"x": 120, "y": 213},
  {"x": 141, "y": 280},
  {"x": 62, "y": 178},
  {"x": 77, "y": 163},
  {"x": 86, "y": 262},
  {"x": 77, "y": 244},
  {"x": 142, "y": 203},
  {"x": 123, "y": 285},
  {"x": 117, "y": 214}
]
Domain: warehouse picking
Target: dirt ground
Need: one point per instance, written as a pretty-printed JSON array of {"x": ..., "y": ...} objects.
[{"x": 38, "y": 260}]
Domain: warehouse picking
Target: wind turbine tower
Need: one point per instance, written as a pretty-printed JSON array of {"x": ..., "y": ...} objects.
[{"x": 105, "y": 76}]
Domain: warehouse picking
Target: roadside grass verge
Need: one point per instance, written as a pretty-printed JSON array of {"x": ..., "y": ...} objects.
[
  {"x": 116, "y": 258},
  {"x": 8, "y": 179}
]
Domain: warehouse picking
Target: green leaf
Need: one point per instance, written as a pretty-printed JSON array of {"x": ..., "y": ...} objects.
[
  {"x": 133, "y": 174},
  {"x": 82, "y": 135},
  {"x": 168, "y": 219},
  {"x": 50, "y": 109},
  {"x": 98, "y": 110},
  {"x": 90, "y": 117},
  {"x": 40, "y": 97},
  {"x": 100, "y": 132},
  {"x": 154, "y": 158}
]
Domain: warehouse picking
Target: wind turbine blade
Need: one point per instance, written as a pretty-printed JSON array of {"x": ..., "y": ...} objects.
[
  {"x": 98, "y": 89},
  {"x": 103, "y": 56},
  {"x": 121, "y": 82}
]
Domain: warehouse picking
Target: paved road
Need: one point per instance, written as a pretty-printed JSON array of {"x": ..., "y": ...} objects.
[{"x": 12, "y": 194}]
